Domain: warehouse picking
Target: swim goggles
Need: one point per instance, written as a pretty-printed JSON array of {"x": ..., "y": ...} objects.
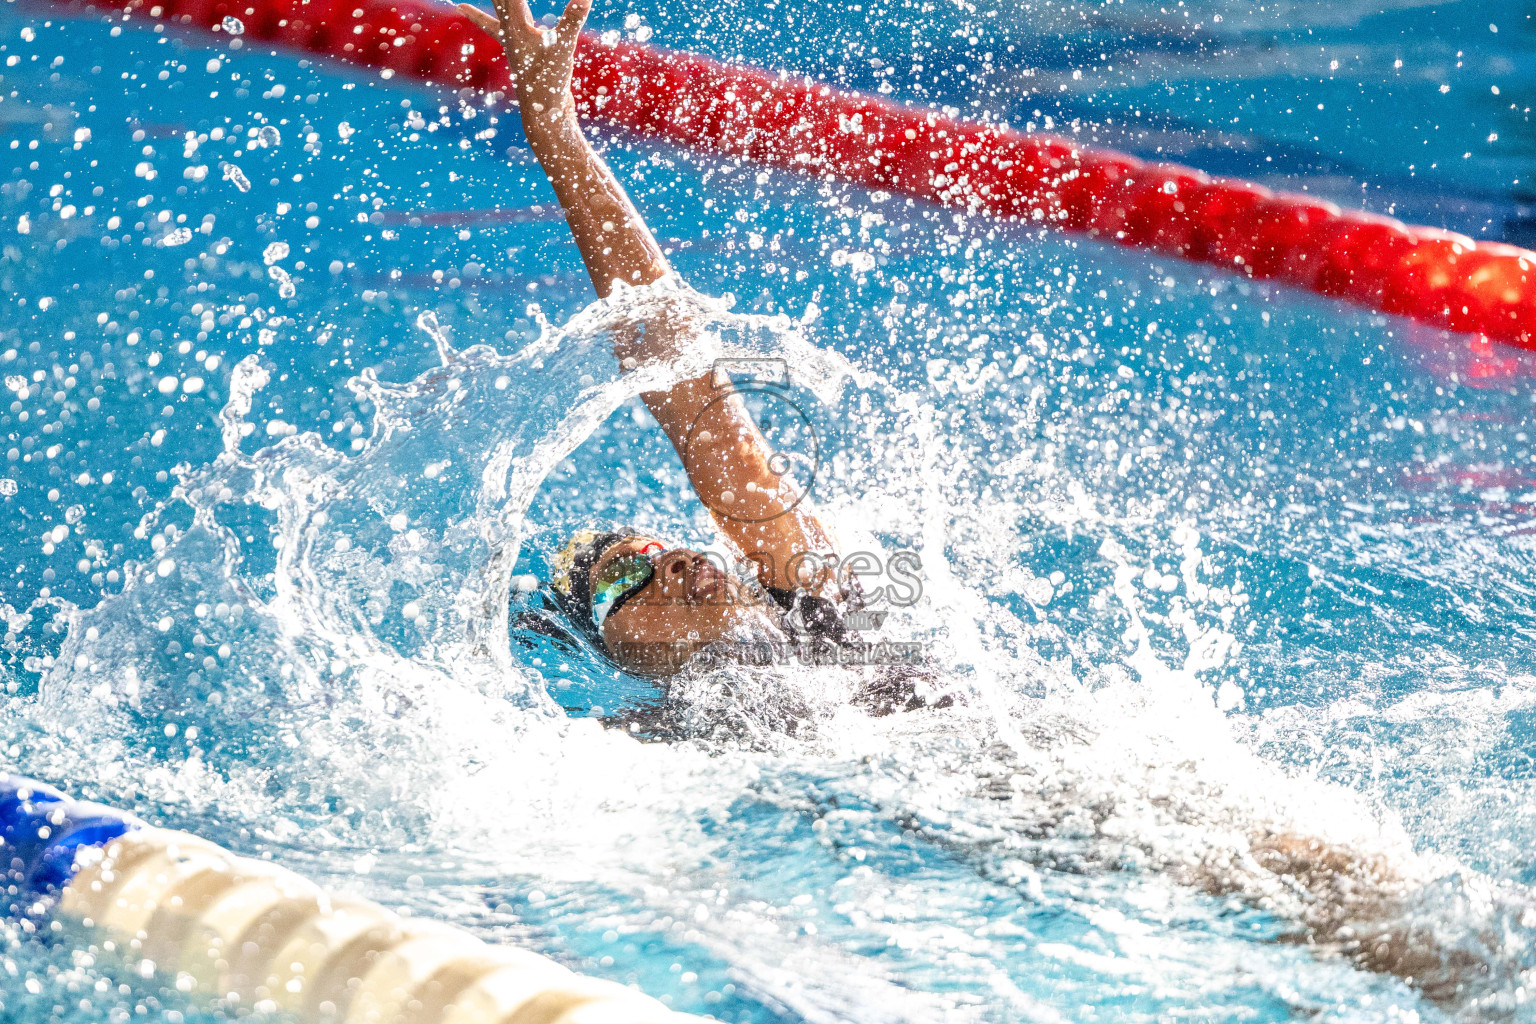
[{"x": 620, "y": 580}]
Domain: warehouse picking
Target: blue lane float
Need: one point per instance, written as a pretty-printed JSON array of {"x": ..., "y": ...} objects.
[
  {"x": 247, "y": 935},
  {"x": 41, "y": 831}
]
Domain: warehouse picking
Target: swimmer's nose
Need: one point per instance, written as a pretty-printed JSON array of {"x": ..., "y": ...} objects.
[
  {"x": 700, "y": 576},
  {"x": 675, "y": 565}
]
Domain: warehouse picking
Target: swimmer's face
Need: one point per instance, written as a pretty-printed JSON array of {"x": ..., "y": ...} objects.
[{"x": 689, "y": 602}]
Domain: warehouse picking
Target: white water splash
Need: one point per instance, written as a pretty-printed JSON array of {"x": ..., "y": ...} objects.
[{"x": 308, "y": 686}]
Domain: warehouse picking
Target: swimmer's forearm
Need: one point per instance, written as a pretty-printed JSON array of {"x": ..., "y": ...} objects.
[{"x": 615, "y": 244}]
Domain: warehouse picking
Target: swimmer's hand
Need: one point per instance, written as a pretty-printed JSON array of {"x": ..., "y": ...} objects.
[{"x": 540, "y": 60}]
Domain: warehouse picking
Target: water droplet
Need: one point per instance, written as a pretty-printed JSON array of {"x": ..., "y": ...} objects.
[
  {"x": 236, "y": 177},
  {"x": 233, "y": 25},
  {"x": 274, "y": 252},
  {"x": 269, "y": 136},
  {"x": 285, "y": 288},
  {"x": 427, "y": 321}
]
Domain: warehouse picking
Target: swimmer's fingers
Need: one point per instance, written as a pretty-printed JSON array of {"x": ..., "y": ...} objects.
[
  {"x": 508, "y": 16},
  {"x": 515, "y": 13},
  {"x": 568, "y": 28},
  {"x": 481, "y": 19},
  {"x": 539, "y": 61}
]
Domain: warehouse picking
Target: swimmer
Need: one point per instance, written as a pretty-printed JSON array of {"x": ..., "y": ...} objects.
[
  {"x": 651, "y": 607},
  {"x": 648, "y": 605}
]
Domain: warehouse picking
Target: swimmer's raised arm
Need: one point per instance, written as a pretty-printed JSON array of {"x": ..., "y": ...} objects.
[
  {"x": 728, "y": 461},
  {"x": 615, "y": 244}
]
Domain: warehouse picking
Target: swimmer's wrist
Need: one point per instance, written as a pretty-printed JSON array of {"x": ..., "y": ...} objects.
[{"x": 552, "y": 128}]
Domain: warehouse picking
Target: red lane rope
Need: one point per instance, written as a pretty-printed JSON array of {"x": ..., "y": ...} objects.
[{"x": 1436, "y": 277}]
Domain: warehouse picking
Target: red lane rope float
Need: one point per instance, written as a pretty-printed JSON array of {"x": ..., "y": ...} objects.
[{"x": 1436, "y": 277}]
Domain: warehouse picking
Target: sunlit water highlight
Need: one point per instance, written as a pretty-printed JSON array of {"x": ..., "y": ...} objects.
[{"x": 1204, "y": 559}]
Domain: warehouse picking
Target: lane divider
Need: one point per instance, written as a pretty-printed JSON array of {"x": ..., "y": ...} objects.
[
  {"x": 246, "y": 933},
  {"x": 1436, "y": 277}
]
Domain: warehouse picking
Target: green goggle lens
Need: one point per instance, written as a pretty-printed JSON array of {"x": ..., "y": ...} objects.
[{"x": 617, "y": 583}]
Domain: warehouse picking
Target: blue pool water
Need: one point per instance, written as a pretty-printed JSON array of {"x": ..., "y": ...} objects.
[{"x": 294, "y": 351}]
